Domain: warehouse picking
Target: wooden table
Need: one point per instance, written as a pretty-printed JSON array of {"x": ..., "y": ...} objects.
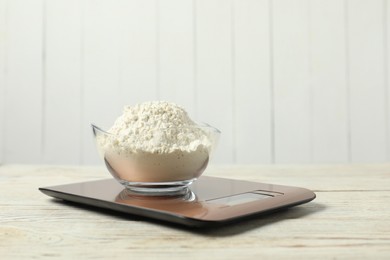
[{"x": 350, "y": 218}]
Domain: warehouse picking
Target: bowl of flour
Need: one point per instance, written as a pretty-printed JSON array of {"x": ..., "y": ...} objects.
[{"x": 155, "y": 148}]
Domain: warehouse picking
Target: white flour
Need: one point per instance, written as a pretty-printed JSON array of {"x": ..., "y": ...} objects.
[
  {"x": 156, "y": 142},
  {"x": 156, "y": 127}
]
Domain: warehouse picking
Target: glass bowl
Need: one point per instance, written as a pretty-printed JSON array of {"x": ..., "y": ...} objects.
[{"x": 158, "y": 173}]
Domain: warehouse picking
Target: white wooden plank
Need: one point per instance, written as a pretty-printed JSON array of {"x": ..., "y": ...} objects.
[
  {"x": 176, "y": 53},
  {"x": 329, "y": 107},
  {"x": 214, "y": 100},
  {"x": 291, "y": 81},
  {"x": 63, "y": 82},
  {"x": 252, "y": 81},
  {"x": 138, "y": 48},
  {"x": 23, "y": 102},
  {"x": 387, "y": 66},
  {"x": 101, "y": 102},
  {"x": 3, "y": 39},
  {"x": 367, "y": 80}
]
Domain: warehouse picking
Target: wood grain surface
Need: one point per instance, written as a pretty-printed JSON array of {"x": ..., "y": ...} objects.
[{"x": 350, "y": 218}]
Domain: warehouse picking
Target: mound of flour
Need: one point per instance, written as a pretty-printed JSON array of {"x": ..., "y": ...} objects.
[{"x": 155, "y": 127}]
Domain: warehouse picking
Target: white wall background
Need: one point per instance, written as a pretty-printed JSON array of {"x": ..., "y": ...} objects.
[{"x": 287, "y": 81}]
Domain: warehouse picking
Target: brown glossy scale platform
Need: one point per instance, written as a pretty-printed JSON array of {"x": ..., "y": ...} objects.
[{"x": 209, "y": 201}]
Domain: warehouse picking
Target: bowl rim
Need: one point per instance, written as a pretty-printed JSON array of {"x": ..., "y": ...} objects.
[{"x": 201, "y": 125}]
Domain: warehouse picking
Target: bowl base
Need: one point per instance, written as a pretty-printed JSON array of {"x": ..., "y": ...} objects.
[{"x": 176, "y": 188}]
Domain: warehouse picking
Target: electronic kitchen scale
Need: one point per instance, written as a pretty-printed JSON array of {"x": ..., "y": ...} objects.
[{"x": 209, "y": 200}]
